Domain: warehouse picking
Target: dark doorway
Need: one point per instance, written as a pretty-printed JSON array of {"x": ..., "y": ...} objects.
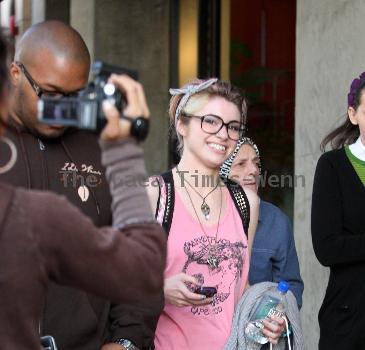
[
  {"x": 262, "y": 61},
  {"x": 252, "y": 43}
]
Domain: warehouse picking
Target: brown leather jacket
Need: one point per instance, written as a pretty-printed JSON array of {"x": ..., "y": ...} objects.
[
  {"x": 44, "y": 238},
  {"x": 77, "y": 320}
]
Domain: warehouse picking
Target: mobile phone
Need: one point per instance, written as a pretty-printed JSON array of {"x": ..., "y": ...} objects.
[
  {"x": 48, "y": 343},
  {"x": 207, "y": 291}
]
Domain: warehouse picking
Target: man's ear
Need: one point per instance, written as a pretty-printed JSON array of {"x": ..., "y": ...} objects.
[
  {"x": 351, "y": 112},
  {"x": 15, "y": 74}
]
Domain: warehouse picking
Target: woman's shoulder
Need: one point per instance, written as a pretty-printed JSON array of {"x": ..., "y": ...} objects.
[{"x": 335, "y": 155}]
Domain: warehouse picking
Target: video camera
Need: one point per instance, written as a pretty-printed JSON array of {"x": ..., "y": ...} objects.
[{"x": 84, "y": 111}]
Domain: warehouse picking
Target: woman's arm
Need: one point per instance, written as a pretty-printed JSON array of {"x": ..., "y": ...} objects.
[
  {"x": 152, "y": 193},
  {"x": 285, "y": 262}
]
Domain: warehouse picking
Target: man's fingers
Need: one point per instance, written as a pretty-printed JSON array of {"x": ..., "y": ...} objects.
[
  {"x": 112, "y": 130},
  {"x": 133, "y": 91},
  {"x": 143, "y": 101},
  {"x": 111, "y": 113},
  {"x": 122, "y": 82}
]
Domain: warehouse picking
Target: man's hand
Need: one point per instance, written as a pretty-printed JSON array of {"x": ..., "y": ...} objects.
[{"x": 116, "y": 127}]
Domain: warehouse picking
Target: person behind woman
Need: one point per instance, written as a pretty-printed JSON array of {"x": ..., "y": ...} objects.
[
  {"x": 274, "y": 257},
  {"x": 207, "y": 244},
  {"x": 43, "y": 238},
  {"x": 338, "y": 227}
]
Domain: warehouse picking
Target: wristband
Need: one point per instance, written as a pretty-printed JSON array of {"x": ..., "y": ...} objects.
[{"x": 139, "y": 127}]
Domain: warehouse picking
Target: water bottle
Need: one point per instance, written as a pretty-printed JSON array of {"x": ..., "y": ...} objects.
[{"x": 271, "y": 303}]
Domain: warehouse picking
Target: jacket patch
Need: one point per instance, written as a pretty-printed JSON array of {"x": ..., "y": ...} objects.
[{"x": 81, "y": 181}]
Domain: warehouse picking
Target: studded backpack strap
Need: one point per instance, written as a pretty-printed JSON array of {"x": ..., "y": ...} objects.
[
  {"x": 166, "y": 200},
  {"x": 241, "y": 202},
  {"x": 157, "y": 180}
]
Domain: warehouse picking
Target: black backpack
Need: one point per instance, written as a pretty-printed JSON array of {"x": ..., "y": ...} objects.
[{"x": 166, "y": 200}]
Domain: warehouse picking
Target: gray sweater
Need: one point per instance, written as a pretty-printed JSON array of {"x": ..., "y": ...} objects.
[{"x": 244, "y": 309}]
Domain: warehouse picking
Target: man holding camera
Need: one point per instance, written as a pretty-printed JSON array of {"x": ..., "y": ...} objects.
[{"x": 52, "y": 60}]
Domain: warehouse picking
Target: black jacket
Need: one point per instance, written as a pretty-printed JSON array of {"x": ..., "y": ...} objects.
[
  {"x": 338, "y": 235},
  {"x": 70, "y": 165}
]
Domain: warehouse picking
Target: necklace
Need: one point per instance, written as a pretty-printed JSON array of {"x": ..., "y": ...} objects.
[
  {"x": 212, "y": 259},
  {"x": 205, "y": 208}
]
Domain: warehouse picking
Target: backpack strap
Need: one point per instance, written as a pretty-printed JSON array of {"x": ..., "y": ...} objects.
[
  {"x": 161, "y": 200},
  {"x": 166, "y": 200},
  {"x": 241, "y": 202}
]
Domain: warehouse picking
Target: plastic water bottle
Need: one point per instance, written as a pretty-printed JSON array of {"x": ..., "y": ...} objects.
[{"x": 271, "y": 303}]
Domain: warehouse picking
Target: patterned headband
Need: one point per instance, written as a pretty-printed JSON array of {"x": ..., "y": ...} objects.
[
  {"x": 354, "y": 88},
  {"x": 227, "y": 165},
  {"x": 189, "y": 91}
]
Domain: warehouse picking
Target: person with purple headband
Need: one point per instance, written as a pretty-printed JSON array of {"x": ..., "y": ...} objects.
[
  {"x": 338, "y": 227},
  {"x": 209, "y": 242}
]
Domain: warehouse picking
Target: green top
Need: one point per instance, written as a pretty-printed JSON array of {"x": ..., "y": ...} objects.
[{"x": 358, "y": 164}]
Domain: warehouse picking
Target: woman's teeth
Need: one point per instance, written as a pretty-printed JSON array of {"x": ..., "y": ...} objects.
[{"x": 217, "y": 147}]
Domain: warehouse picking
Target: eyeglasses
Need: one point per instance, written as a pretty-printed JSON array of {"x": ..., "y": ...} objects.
[
  {"x": 37, "y": 89},
  {"x": 212, "y": 124}
]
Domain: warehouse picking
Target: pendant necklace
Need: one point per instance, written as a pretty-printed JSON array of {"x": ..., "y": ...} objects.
[
  {"x": 205, "y": 208},
  {"x": 212, "y": 260}
]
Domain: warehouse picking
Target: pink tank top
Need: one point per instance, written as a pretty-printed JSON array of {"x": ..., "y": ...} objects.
[{"x": 203, "y": 327}]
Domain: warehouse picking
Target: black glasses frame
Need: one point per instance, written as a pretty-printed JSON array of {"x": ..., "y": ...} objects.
[
  {"x": 242, "y": 126},
  {"x": 37, "y": 89}
]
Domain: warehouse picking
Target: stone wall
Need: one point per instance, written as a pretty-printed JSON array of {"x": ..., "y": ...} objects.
[{"x": 134, "y": 34}]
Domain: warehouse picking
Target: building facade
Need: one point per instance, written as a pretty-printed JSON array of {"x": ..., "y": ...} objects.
[{"x": 296, "y": 59}]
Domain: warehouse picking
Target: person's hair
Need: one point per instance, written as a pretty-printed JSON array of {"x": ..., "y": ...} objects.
[
  {"x": 220, "y": 88},
  {"x": 347, "y": 133},
  {"x": 3, "y": 68},
  {"x": 4, "y": 82}
]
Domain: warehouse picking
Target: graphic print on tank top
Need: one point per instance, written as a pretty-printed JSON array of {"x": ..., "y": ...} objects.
[{"x": 225, "y": 277}]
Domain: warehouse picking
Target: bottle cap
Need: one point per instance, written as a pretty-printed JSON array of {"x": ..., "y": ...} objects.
[{"x": 283, "y": 286}]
